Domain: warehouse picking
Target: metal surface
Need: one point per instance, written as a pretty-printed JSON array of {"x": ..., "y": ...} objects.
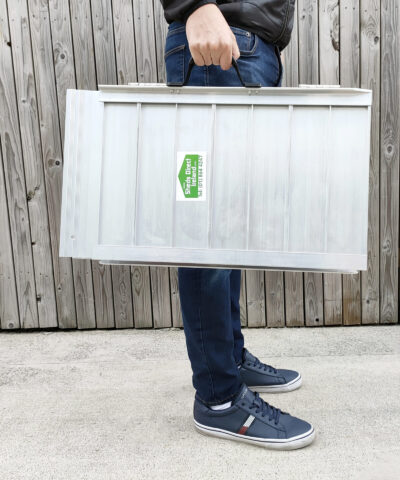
[{"x": 286, "y": 177}]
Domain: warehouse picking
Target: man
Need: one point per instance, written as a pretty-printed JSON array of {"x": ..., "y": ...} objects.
[{"x": 223, "y": 369}]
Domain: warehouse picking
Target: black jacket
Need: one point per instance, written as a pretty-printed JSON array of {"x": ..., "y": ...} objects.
[{"x": 272, "y": 20}]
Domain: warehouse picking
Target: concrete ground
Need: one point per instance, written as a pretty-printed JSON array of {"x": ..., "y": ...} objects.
[{"x": 118, "y": 404}]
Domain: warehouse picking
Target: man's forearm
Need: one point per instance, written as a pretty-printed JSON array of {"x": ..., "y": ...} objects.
[{"x": 182, "y": 9}]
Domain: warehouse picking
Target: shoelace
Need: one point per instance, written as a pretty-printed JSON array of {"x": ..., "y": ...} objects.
[
  {"x": 265, "y": 408},
  {"x": 264, "y": 366}
]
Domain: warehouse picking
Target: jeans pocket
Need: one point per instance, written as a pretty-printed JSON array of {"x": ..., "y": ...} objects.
[
  {"x": 175, "y": 64},
  {"x": 246, "y": 41}
]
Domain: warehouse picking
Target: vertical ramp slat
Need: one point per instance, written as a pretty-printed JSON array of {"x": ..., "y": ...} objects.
[
  {"x": 230, "y": 174},
  {"x": 193, "y": 133}
]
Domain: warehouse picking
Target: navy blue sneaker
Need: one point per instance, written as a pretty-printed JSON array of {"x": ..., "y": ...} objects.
[
  {"x": 252, "y": 420},
  {"x": 264, "y": 378}
]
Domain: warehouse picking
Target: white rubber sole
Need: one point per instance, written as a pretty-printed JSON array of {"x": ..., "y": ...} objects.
[
  {"x": 293, "y": 443},
  {"x": 287, "y": 387}
]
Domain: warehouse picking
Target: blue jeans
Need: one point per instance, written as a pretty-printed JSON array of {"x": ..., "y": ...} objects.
[{"x": 210, "y": 297}]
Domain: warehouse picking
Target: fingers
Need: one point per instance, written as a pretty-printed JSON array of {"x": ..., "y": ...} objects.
[
  {"x": 235, "y": 49},
  {"x": 225, "y": 60}
]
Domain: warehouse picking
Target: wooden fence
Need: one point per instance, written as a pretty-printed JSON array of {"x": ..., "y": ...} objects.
[{"x": 48, "y": 46}]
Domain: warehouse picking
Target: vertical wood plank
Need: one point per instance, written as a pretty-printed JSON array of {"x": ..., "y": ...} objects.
[
  {"x": 389, "y": 148},
  {"x": 290, "y": 56},
  {"x": 370, "y": 68},
  {"x": 293, "y": 281},
  {"x": 141, "y": 293},
  {"x": 113, "y": 283},
  {"x": 148, "y": 72},
  {"x": 329, "y": 74},
  {"x": 308, "y": 41},
  {"x": 329, "y": 42},
  {"x": 243, "y": 299},
  {"x": 9, "y": 315},
  {"x": 255, "y": 298},
  {"x": 275, "y": 280},
  {"x": 125, "y": 45},
  {"x": 52, "y": 154},
  {"x": 161, "y": 29},
  {"x": 294, "y": 300},
  {"x": 350, "y": 77},
  {"x": 175, "y": 300},
  {"x": 14, "y": 176},
  {"x": 275, "y": 298},
  {"x": 309, "y": 74},
  {"x": 64, "y": 78},
  {"x": 33, "y": 165},
  {"x": 85, "y": 74}
]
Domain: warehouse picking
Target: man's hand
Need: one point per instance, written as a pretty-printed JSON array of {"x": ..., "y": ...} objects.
[{"x": 210, "y": 38}]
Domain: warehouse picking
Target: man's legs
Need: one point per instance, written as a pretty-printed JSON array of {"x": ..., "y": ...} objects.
[
  {"x": 235, "y": 315},
  {"x": 210, "y": 297},
  {"x": 207, "y": 302}
]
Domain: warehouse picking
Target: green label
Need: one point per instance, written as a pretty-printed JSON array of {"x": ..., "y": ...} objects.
[{"x": 191, "y": 176}]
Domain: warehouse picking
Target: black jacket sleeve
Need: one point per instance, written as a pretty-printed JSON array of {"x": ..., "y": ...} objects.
[{"x": 181, "y": 9}]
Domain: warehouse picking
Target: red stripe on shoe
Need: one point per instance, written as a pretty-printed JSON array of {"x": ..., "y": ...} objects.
[{"x": 246, "y": 425}]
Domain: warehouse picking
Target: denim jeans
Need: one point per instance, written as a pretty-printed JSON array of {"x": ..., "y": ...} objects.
[{"x": 210, "y": 297}]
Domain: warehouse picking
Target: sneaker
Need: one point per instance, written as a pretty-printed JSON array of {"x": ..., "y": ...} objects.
[
  {"x": 264, "y": 378},
  {"x": 252, "y": 420}
]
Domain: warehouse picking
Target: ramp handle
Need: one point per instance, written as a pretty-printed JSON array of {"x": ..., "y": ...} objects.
[{"x": 235, "y": 65}]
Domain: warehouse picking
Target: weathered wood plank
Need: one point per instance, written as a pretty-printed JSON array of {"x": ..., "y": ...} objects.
[
  {"x": 148, "y": 72},
  {"x": 294, "y": 299},
  {"x": 290, "y": 57},
  {"x": 9, "y": 315},
  {"x": 243, "y": 300},
  {"x": 15, "y": 181},
  {"x": 293, "y": 281},
  {"x": 175, "y": 300},
  {"x": 85, "y": 73},
  {"x": 141, "y": 293},
  {"x": 161, "y": 297},
  {"x": 329, "y": 42},
  {"x": 389, "y": 148},
  {"x": 309, "y": 74},
  {"x": 117, "y": 298},
  {"x": 255, "y": 295},
  {"x": 308, "y": 41},
  {"x": 350, "y": 77},
  {"x": 145, "y": 41},
  {"x": 123, "y": 306},
  {"x": 125, "y": 45},
  {"x": 370, "y": 78},
  {"x": 161, "y": 29},
  {"x": 65, "y": 78},
  {"x": 333, "y": 309},
  {"x": 32, "y": 155},
  {"x": 275, "y": 298},
  {"x": 314, "y": 299},
  {"x": 329, "y": 75}
]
